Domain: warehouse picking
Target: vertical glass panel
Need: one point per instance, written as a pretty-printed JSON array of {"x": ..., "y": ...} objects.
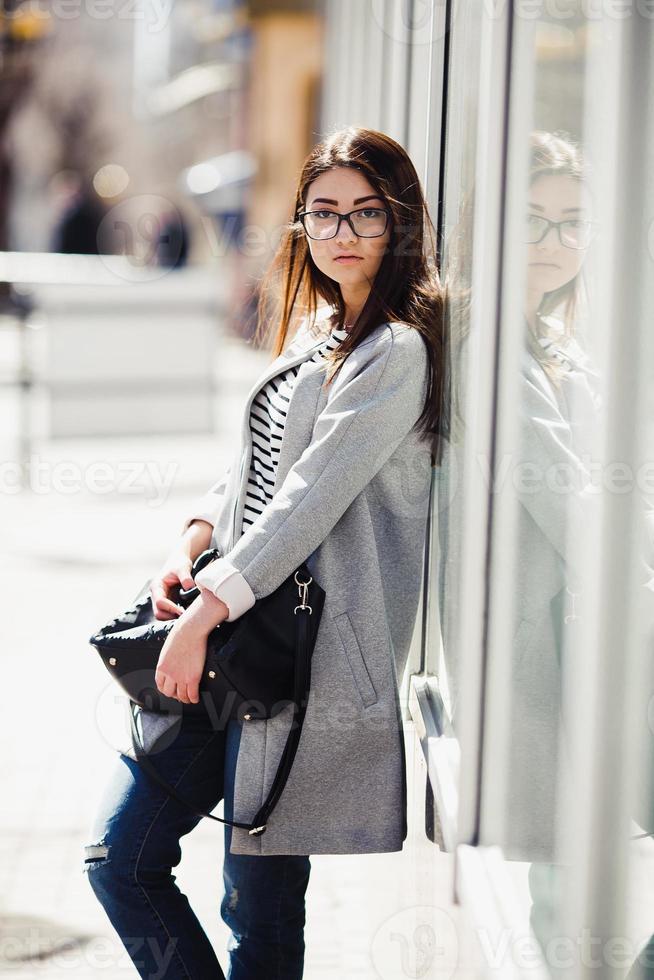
[
  {"x": 446, "y": 593},
  {"x": 549, "y": 400},
  {"x": 397, "y": 28},
  {"x": 638, "y": 749},
  {"x": 562, "y": 655},
  {"x": 421, "y": 85}
]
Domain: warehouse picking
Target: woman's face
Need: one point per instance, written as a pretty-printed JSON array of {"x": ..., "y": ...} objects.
[
  {"x": 550, "y": 264},
  {"x": 343, "y": 189}
]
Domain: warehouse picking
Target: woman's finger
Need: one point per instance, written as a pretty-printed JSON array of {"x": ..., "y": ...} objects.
[
  {"x": 159, "y": 598},
  {"x": 186, "y": 580},
  {"x": 164, "y": 608},
  {"x": 158, "y": 588},
  {"x": 182, "y": 693},
  {"x": 168, "y": 686},
  {"x": 162, "y": 585},
  {"x": 193, "y": 691}
]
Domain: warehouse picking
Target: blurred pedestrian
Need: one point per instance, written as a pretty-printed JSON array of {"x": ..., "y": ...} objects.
[{"x": 76, "y": 230}]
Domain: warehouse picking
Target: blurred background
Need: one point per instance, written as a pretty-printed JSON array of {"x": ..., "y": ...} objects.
[
  {"x": 136, "y": 141},
  {"x": 149, "y": 151}
]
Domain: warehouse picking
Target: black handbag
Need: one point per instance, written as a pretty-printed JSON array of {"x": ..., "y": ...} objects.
[{"x": 255, "y": 666}]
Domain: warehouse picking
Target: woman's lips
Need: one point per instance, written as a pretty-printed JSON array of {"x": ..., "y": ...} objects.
[{"x": 347, "y": 259}]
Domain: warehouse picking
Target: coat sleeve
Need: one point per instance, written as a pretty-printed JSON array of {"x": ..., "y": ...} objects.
[
  {"x": 206, "y": 507},
  {"x": 555, "y": 487},
  {"x": 370, "y": 409}
]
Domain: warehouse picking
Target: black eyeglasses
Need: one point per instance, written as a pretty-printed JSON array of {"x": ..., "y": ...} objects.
[
  {"x": 364, "y": 222},
  {"x": 573, "y": 232}
]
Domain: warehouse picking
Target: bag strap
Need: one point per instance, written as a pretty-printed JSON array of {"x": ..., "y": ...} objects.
[{"x": 301, "y": 687}]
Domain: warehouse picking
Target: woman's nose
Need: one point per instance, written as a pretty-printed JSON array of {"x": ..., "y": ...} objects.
[
  {"x": 344, "y": 232},
  {"x": 550, "y": 240}
]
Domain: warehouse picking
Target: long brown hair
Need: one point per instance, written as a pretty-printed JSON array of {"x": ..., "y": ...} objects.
[{"x": 406, "y": 287}]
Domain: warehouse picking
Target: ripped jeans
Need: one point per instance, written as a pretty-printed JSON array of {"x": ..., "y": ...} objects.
[{"x": 135, "y": 842}]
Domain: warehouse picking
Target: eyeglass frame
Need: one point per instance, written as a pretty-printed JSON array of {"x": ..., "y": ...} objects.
[
  {"x": 343, "y": 217},
  {"x": 557, "y": 225}
]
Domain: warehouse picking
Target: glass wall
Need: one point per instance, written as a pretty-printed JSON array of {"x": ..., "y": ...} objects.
[
  {"x": 533, "y": 697},
  {"x": 554, "y": 721},
  {"x": 542, "y": 505}
]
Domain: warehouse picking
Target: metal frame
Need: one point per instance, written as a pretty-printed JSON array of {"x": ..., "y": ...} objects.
[
  {"x": 505, "y": 297},
  {"x": 427, "y": 711},
  {"x": 441, "y": 751},
  {"x": 486, "y": 279},
  {"x": 460, "y": 821}
]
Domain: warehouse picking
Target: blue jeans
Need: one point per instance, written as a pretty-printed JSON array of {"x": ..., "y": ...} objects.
[{"x": 135, "y": 844}]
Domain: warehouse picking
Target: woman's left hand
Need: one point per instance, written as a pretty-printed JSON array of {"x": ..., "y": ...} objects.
[{"x": 184, "y": 652}]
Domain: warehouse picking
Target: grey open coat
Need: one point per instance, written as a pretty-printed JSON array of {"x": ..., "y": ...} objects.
[{"x": 350, "y": 498}]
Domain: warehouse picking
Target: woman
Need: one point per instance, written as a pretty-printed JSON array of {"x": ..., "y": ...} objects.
[{"x": 357, "y": 399}]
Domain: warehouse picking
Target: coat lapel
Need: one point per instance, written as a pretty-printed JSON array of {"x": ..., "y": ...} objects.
[
  {"x": 300, "y": 417},
  {"x": 299, "y": 420}
]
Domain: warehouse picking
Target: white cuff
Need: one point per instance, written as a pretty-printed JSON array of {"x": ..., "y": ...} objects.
[
  {"x": 227, "y": 583},
  {"x": 205, "y": 509}
]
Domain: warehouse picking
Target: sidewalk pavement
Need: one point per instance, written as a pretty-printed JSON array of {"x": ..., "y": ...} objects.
[{"x": 71, "y": 558}]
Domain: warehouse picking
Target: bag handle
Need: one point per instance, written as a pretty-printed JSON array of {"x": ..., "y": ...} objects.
[{"x": 301, "y": 688}]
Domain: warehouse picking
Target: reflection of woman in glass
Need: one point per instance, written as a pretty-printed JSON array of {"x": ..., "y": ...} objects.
[
  {"x": 558, "y": 402},
  {"x": 557, "y": 233},
  {"x": 333, "y": 469}
]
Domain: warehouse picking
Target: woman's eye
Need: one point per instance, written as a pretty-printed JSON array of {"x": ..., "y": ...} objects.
[
  {"x": 323, "y": 214},
  {"x": 370, "y": 212}
]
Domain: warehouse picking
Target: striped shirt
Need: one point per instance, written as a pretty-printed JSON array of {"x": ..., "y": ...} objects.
[{"x": 267, "y": 420}]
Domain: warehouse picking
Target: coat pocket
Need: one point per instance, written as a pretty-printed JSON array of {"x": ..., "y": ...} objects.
[{"x": 355, "y": 659}]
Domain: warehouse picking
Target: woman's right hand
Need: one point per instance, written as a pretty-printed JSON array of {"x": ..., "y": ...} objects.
[{"x": 176, "y": 570}]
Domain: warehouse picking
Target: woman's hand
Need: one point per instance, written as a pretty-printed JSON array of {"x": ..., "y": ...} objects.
[
  {"x": 182, "y": 656},
  {"x": 176, "y": 570}
]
